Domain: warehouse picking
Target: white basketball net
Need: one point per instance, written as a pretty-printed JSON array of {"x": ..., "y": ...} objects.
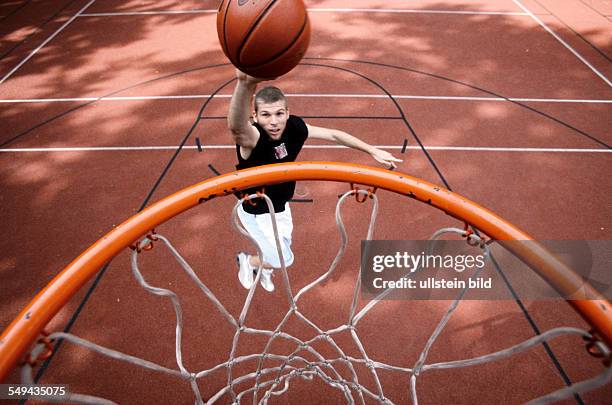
[{"x": 274, "y": 381}]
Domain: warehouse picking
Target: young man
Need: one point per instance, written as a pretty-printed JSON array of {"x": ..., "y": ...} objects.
[{"x": 274, "y": 137}]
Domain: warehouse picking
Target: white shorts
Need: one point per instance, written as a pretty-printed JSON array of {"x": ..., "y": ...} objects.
[{"x": 260, "y": 228}]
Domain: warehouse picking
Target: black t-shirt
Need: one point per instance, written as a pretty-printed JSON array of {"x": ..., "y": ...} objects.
[{"x": 268, "y": 151}]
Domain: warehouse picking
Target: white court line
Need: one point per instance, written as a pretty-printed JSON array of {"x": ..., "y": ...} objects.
[
  {"x": 46, "y": 41},
  {"x": 316, "y": 10},
  {"x": 411, "y": 11},
  {"x": 558, "y": 38},
  {"x": 442, "y": 148},
  {"x": 313, "y": 95},
  {"x": 161, "y": 12}
]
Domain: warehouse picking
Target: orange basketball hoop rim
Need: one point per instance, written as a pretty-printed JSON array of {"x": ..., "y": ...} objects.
[{"x": 28, "y": 326}]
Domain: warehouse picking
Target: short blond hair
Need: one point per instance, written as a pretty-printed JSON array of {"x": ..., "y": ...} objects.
[{"x": 269, "y": 94}]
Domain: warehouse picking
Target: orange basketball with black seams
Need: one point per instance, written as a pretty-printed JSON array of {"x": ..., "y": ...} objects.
[{"x": 263, "y": 38}]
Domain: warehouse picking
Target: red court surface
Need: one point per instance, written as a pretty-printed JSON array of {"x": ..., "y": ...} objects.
[{"x": 506, "y": 102}]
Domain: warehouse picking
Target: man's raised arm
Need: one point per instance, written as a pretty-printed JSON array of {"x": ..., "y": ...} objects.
[{"x": 240, "y": 109}]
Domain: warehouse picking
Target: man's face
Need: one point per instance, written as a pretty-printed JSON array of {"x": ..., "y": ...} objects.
[{"x": 272, "y": 117}]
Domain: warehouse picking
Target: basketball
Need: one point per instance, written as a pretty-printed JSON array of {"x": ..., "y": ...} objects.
[{"x": 263, "y": 38}]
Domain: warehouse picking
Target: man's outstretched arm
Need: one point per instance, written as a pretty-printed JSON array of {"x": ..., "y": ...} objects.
[{"x": 342, "y": 138}]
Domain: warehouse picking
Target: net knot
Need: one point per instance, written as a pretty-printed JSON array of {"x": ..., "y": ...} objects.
[
  {"x": 473, "y": 239},
  {"x": 245, "y": 196},
  {"x": 416, "y": 371},
  {"x": 44, "y": 353},
  {"x": 596, "y": 348},
  {"x": 146, "y": 243},
  {"x": 362, "y": 195}
]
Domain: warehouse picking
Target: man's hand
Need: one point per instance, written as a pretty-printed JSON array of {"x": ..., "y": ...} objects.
[{"x": 385, "y": 158}]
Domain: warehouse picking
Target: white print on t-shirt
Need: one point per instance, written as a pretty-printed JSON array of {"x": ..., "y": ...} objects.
[{"x": 280, "y": 151}]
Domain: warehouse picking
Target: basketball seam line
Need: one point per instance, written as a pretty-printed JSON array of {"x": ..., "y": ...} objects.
[
  {"x": 281, "y": 53},
  {"x": 226, "y": 45},
  {"x": 251, "y": 29}
]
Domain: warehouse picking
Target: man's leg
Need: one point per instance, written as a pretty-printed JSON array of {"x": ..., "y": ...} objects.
[
  {"x": 271, "y": 259},
  {"x": 260, "y": 228},
  {"x": 255, "y": 262},
  {"x": 266, "y": 273}
]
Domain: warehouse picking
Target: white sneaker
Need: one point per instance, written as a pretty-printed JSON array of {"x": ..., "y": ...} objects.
[
  {"x": 245, "y": 272},
  {"x": 266, "y": 280}
]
